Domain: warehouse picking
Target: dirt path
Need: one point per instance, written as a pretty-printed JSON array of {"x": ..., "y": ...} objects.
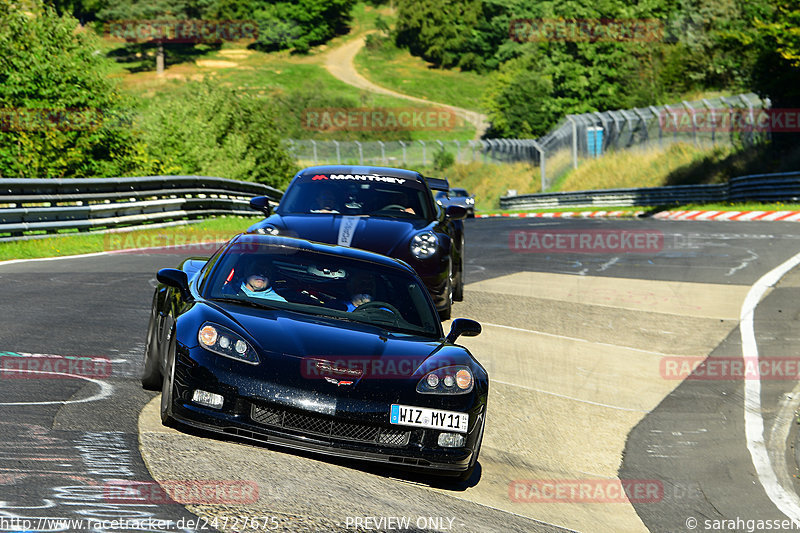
[{"x": 339, "y": 62}]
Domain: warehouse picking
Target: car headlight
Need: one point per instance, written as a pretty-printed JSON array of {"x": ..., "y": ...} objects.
[
  {"x": 424, "y": 244},
  {"x": 470, "y": 201},
  {"x": 268, "y": 229},
  {"x": 222, "y": 341},
  {"x": 447, "y": 380}
]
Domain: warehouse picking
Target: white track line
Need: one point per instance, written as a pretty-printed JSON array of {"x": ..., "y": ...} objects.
[
  {"x": 786, "y": 501},
  {"x": 105, "y": 390},
  {"x": 564, "y": 396},
  {"x": 576, "y": 339}
]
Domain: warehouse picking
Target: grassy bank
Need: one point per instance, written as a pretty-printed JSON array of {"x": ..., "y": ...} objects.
[
  {"x": 384, "y": 64},
  {"x": 216, "y": 229}
]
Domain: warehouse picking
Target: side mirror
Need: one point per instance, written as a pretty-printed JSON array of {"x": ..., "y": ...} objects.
[
  {"x": 261, "y": 203},
  {"x": 463, "y": 326},
  {"x": 456, "y": 212},
  {"x": 175, "y": 278}
]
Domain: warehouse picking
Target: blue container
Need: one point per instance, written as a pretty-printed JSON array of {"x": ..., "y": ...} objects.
[{"x": 594, "y": 140}]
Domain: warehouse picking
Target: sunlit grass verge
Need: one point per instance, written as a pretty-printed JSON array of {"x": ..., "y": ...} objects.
[
  {"x": 649, "y": 167},
  {"x": 220, "y": 228}
]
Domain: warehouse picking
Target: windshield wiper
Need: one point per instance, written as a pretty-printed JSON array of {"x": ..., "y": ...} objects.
[{"x": 241, "y": 301}]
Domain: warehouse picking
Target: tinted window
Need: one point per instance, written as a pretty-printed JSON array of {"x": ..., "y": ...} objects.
[
  {"x": 357, "y": 195},
  {"x": 323, "y": 284}
]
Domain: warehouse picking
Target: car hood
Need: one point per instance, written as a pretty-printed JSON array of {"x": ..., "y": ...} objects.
[
  {"x": 377, "y": 234},
  {"x": 302, "y": 350}
]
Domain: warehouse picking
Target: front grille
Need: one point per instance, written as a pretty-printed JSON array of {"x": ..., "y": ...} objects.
[{"x": 315, "y": 424}]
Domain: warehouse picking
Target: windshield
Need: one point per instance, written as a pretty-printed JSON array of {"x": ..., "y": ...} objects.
[
  {"x": 305, "y": 281},
  {"x": 382, "y": 196}
]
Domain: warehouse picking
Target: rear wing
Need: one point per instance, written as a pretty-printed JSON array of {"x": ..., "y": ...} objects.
[{"x": 438, "y": 184}]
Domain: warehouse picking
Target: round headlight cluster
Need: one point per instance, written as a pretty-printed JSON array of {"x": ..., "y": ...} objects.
[
  {"x": 447, "y": 380},
  {"x": 222, "y": 341},
  {"x": 424, "y": 245}
]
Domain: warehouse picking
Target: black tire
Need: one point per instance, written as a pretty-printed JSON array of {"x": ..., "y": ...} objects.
[
  {"x": 168, "y": 386},
  {"x": 458, "y": 290},
  {"x": 444, "y": 314},
  {"x": 151, "y": 376}
]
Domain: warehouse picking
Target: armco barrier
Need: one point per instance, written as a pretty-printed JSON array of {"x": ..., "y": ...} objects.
[
  {"x": 51, "y": 205},
  {"x": 784, "y": 187}
]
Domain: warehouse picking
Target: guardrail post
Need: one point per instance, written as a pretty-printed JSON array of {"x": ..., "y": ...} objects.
[
  {"x": 383, "y": 152},
  {"x": 458, "y": 151},
  {"x": 542, "y": 164},
  {"x": 338, "y": 153},
  {"x": 657, "y": 116},
  {"x": 571, "y": 120},
  {"x": 424, "y": 160},
  {"x": 360, "y": 153},
  {"x": 713, "y": 121},
  {"x": 404, "y": 151},
  {"x": 314, "y": 147},
  {"x": 688, "y": 106}
]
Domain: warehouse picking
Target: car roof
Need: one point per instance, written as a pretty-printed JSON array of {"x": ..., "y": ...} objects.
[
  {"x": 458, "y": 189},
  {"x": 359, "y": 169},
  {"x": 302, "y": 244}
]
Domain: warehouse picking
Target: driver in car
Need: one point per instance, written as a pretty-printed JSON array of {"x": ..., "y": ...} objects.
[
  {"x": 325, "y": 201},
  {"x": 256, "y": 285},
  {"x": 361, "y": 288}
]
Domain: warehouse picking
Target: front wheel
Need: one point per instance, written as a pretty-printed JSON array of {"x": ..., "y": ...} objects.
[
  {"x": 151, "y": 376},
  {"x": 444, "y": 314},
  {"x": 168, "y": 386},
  {"x": 458, "y": 290}
]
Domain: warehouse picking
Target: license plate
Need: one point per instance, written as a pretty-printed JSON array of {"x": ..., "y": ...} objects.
[{"x": 406, "y": 415}]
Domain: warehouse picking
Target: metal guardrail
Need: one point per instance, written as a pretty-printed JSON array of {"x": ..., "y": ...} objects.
[
  {"x": 51, "y": 205},
  {"x": 758, "y": 187}
]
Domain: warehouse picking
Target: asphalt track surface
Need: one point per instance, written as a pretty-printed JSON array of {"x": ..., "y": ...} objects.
[{"x": 575, "y": 344}]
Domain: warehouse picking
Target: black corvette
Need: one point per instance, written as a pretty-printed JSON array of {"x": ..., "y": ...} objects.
[
  {"x": 316, "y": 347},
  {"x": 385, "y": 210}
]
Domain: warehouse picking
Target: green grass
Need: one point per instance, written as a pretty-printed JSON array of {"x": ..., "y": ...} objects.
[
  {"x": 219, "y": 229},
  {"x": 398, "y": 70}
]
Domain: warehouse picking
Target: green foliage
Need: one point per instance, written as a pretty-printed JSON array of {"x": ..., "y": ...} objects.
[
  {"x": 211, "y": 131},
  {"x": 51, "y": 75},
  {"x": 297, "y": 24},
  {"x": 704, "y": 45},
  {"x": 442, "y": 159}
]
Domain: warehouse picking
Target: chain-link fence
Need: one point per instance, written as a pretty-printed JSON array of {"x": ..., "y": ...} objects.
[
  {"x": 410, "y": 153},
  {"x": 707, "y": 122}
]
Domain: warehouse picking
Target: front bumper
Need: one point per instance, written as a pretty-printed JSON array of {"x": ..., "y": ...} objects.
[{"x": 334, "y": 426}]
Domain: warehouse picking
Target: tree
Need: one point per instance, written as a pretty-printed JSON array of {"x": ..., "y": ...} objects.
[
  {"x": 212, "y": 131},
  {"x": 62, "y": 115}
]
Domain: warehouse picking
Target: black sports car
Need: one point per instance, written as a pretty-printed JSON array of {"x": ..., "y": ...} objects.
[
  {"x": 384, "y": 210},
  {"x": 317, "y": 347},
  {"x": 457, "y": 196}
]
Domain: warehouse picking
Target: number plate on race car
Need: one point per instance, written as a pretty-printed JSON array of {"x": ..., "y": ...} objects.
[{"x": 405, "y": 415}]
